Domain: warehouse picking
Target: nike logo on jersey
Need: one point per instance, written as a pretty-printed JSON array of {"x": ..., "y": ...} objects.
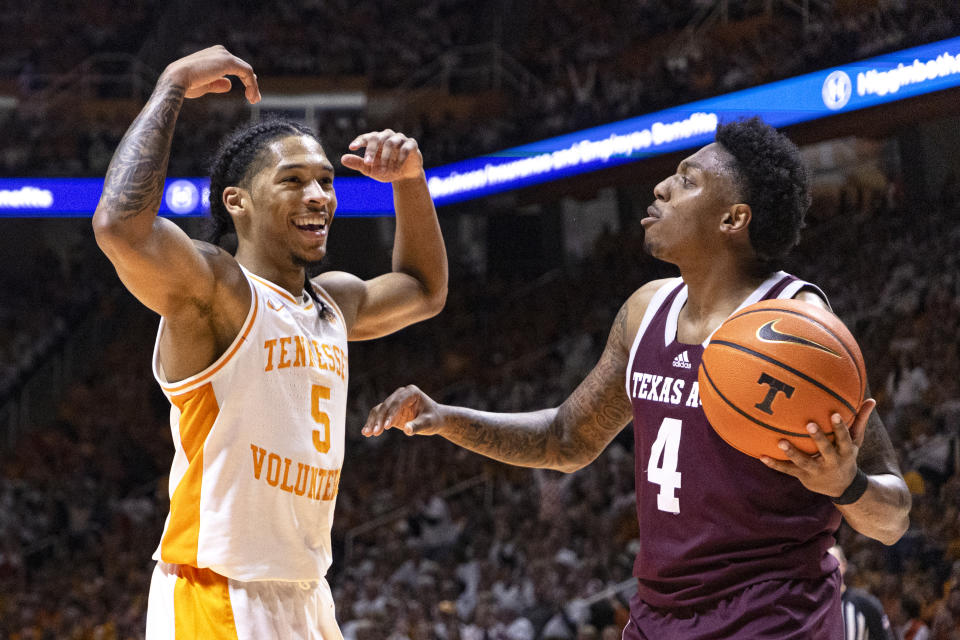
[
  {"x": 275, "y": 306},
  {"x": 769, "y": 333}
]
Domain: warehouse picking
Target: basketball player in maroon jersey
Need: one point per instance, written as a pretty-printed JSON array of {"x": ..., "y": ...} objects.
[{"x": 731, "y": 546}]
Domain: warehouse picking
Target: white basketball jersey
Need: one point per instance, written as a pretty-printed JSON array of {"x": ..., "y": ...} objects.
[{"x": 259, "y": 438}]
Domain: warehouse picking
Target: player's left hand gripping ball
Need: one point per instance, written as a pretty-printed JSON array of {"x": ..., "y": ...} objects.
[{"x": 831, "y": 470}]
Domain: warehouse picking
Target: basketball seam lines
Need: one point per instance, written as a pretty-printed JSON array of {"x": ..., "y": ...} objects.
[
  {"x": 816, "y": 322},
  {"x": 746, "y": 415},
  {"x": 799, "y": 374}
]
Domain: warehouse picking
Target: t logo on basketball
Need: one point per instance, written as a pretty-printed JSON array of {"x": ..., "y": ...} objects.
[
  {"x": 788, "y": 347},
  {"x": 776, "y": 386}
]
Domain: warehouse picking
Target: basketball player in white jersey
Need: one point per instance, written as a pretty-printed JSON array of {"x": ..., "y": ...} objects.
[
  {"x": 253, "y": 354},
  {"x": 731, "y": 546}
]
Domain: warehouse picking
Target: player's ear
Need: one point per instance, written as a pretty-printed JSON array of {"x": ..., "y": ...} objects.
[
  {"x": 736, "y": 218},
  {"x": 235, "y": 200}
]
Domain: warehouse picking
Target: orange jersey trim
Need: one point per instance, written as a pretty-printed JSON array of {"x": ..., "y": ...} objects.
[
  {"x": 201, "y": 605},
  {"x": 198, "y": 412},
  {"x": 286, "y": 295},
  {"x": 189, "y": 382},
  {"x": 283, "y": 292}
]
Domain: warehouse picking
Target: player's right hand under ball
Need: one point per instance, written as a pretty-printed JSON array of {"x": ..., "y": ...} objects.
[{"x": 408, "y": 409}]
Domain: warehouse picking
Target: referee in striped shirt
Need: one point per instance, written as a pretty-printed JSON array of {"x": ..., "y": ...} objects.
[{"x": 863, "y": 615}]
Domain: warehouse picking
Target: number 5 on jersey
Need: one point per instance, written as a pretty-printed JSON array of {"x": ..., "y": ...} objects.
[
  {"x": 666, "y": 446},
  {"x": 321, "y": 441}
]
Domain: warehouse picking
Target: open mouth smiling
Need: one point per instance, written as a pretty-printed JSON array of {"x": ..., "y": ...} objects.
[{"x": 315, "y": 223}]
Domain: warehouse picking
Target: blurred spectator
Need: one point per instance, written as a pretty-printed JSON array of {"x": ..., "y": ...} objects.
[
  {"x": 946, "y": 622},
  {"x": 585, "y": 66},
  {"x": 913, "y": 627}
]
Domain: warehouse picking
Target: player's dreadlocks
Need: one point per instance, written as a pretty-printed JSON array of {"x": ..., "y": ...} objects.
[
  {"x": 772, "y": 180},
  {"x": 239, "y": 158}
]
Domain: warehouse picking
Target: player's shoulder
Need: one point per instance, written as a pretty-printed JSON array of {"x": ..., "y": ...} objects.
[
  {"x": 346, "y": 290},
  {"x": 339, "y": 284},
  {"x": 813, "y": 297},
  {"x": 228, "y": 277},
  {"x": 796, "y": 288},
  {"x": 636, "y": 305},
  {"x": 640, "y": 299},
  {"x": 220, "y": 260},
  {"x": 648, "y": 290},
  {"x": 221, "y": 293}
]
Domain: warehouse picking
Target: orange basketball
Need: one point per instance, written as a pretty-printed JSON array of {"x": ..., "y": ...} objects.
[{"x": 775, "y": 366}]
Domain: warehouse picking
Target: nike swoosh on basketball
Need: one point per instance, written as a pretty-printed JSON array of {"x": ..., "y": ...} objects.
[{"x": 769, "y": 333}]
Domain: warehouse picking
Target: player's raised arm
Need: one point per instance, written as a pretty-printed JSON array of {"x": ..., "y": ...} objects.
[
  {"x": 157, "y": 261},
  {"x": 565, "y": 438},
  {"x": 416, "y": 288}
]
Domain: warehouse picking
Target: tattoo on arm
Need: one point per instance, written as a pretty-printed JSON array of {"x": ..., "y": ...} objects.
[
  {"x": 518, "y": 439},
  {"x": 208, "y": 249},
  {"x": 134, "y": 181},
  {"x": 599, "y": 408},
  {"x": 876, "y": 454},
  {"x": 564, "y": 438}
]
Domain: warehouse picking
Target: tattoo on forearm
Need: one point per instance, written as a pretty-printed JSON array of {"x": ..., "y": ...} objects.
[
  {"x": 573, "y": 434},
  {"x": 505, "y": 439},
  {"x": 598, "y": 409},
  {"x": 134, "y": 181}
]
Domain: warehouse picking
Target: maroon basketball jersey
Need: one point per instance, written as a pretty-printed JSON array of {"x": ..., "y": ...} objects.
[{"x": 712, "y": 519}]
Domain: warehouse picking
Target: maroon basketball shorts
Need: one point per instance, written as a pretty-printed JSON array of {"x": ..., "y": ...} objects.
[{"x": 769, "y": 610}]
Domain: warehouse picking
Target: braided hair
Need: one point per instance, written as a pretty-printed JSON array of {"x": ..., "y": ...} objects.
[{"x": 240, "y": 156}]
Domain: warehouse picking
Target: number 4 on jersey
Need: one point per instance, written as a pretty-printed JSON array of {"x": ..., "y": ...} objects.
[{"x": 667, "y": 447}]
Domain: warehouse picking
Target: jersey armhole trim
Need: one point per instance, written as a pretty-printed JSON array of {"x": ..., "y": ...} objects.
[
  {"x": 283, "y": 293},
  {"x": 797, "y": 286},
  {"x": 191, "y": 382},
  {"x": 758, "y": 294},
  {"x": 652, "y": 307}
]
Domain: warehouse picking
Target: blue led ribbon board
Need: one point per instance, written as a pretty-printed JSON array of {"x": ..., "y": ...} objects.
[
  {"x": 182, "y": 197},
  {"x": 868, "y": 83},
  {"x": 876, "y": 81}
]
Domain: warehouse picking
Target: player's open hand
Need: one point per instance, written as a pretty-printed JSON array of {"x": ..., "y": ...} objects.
[
  {"x": 389, "y": 156},
  {"x": 407, "y": 409},
  {"x": 834, "y": 467},
  {"x": 206, "y": 72}
]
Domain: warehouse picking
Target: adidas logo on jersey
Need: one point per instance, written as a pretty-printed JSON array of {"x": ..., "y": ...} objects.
[{"x": 682, "y": 361}]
